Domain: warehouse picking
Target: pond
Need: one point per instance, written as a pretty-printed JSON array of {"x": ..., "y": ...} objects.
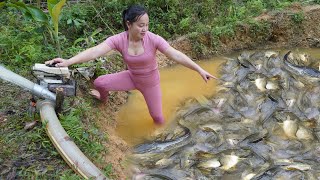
[{"x": 261, "y": 121}]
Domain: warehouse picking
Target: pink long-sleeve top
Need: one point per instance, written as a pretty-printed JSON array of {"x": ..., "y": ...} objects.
[{"x": 145, "y": 62}]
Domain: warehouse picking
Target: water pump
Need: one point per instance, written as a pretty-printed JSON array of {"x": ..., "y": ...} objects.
[{"x": 51, "y": 77}]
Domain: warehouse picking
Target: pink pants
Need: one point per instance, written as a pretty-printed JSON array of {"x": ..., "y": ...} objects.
[{"x": 147, "y": 84}]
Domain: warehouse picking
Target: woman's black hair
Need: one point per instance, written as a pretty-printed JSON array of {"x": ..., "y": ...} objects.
[{"x": 132, "y": 14}]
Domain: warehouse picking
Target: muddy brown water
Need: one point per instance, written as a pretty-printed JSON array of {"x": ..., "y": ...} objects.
[{"x": 178, "y": 84}]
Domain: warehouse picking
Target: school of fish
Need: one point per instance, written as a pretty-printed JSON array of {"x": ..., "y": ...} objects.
[{"x": 263, "y": 123}]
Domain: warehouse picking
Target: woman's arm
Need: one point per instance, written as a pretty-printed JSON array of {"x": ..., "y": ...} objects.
[
  {"x": 183, "y": 59},
  {"x": 84, "y": 56}
]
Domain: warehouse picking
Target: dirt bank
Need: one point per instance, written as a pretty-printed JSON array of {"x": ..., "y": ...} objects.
[{"x": 297, "y": 26}]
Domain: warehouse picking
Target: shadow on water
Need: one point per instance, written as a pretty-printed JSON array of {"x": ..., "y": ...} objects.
[{"x": 177, "y": 84}]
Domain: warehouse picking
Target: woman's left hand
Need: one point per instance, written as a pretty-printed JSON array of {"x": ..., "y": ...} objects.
[{"x": 206, "y": 76}]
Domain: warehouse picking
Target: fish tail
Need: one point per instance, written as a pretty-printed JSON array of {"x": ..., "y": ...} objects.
[{"x": 286, "y": 56}]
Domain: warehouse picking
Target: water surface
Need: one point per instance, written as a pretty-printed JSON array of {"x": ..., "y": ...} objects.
[{"x": 178, "y": 84}]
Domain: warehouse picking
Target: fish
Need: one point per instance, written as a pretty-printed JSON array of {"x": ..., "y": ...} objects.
[
  {"x": 311, "y": 73},
  {"x": 229, "y": 66},
  {"x": 244, "y": 60},
  {"x": 272, "y": 85},
  {"x": 298, "y": 166},
  {"x": 197, "y": 110},
  {"x": 261, "y": 83},
  {"x": 202, "y": 100},
  {"x": 229, "y": 161},
  {"x": 267, "y": 108},
  {"x": 212, "y": 127},
  {"x": 290, "y": 127},
  {"x": 164, "y": 162},
  {"x": 254, "y": 137},
  {"x": 148, "y": 153},
  {"x": 163, "y": 146},
  {"x": 165, "y": 174},
  {"x": 304, "y": 134},
  {"x": 241, "y": 74},
  {"x": 248, "y": 176},
  {"x": 209, "y": 164},
  {"x": 270, "y": 54}
]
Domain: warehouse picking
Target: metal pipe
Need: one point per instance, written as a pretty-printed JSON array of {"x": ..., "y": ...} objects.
[
  {"x": 64, "y": 144},
  {"x": 35, "y": 89}
]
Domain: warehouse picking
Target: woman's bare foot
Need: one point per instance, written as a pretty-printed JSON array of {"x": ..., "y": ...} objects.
[{"x": 95, "y": 94}]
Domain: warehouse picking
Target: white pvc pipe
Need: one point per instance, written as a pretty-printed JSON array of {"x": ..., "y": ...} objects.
[
  {"x": 35, "y": 89},
  {"x": 64, "y": 144}
]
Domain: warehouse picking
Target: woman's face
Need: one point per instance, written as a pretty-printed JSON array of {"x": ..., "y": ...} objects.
[{"x": 139, "y": 28}]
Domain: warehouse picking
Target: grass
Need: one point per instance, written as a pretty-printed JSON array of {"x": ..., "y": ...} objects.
[{"x": 29, "y": 154}]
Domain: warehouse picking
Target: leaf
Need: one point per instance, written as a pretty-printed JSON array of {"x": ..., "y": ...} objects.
[
  {"x": 30, "y": 11},
  {"x": 37, "y": 14},
  {"x": 2, "y": 4},
  {"x": 51, "y": 4},
  {"x": 78, "y": 40},
  {"x": 40, "y": 29},
  {"x": 97, "y": 31},
  {"x": 30, "y": 125},
  {"x": 18, "y": 5},
  {"x": 76, "y": 23},
  {"x": 55, "y": 7},
  {"x": 69, "y": 21}
]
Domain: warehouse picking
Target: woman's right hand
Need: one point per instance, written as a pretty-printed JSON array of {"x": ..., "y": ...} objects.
[{"x": 59, "y": 62}]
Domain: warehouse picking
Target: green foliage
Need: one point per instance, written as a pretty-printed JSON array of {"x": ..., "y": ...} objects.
[
  {"x": 169, "y": 18},
  {"x": 74, "y": 20},
  {"x": 259, "y": 30},
  {"x": 28, "y": 153},
  {"x": 220, "y": 31},
  {"x": 185, "y": 23},
  {"x": 88, "y": 41},
  {"x": 21, "y": 41},
  {"x": 298, "y": 17},
  {"x": 276, "y": 4},
  {"x": 30, "y": 11},
  {"x": 69, "y": 175},
  {"x": 87, "y": 140},
  {"x": 107, "y": 170},
  {"x": 2, "y": 4},
  {"x": 255, "y": 7},
  {"x": 36, "y": 14}
]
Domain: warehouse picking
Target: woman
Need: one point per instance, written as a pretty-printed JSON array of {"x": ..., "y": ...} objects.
[{"x": 138, "y": 47}]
